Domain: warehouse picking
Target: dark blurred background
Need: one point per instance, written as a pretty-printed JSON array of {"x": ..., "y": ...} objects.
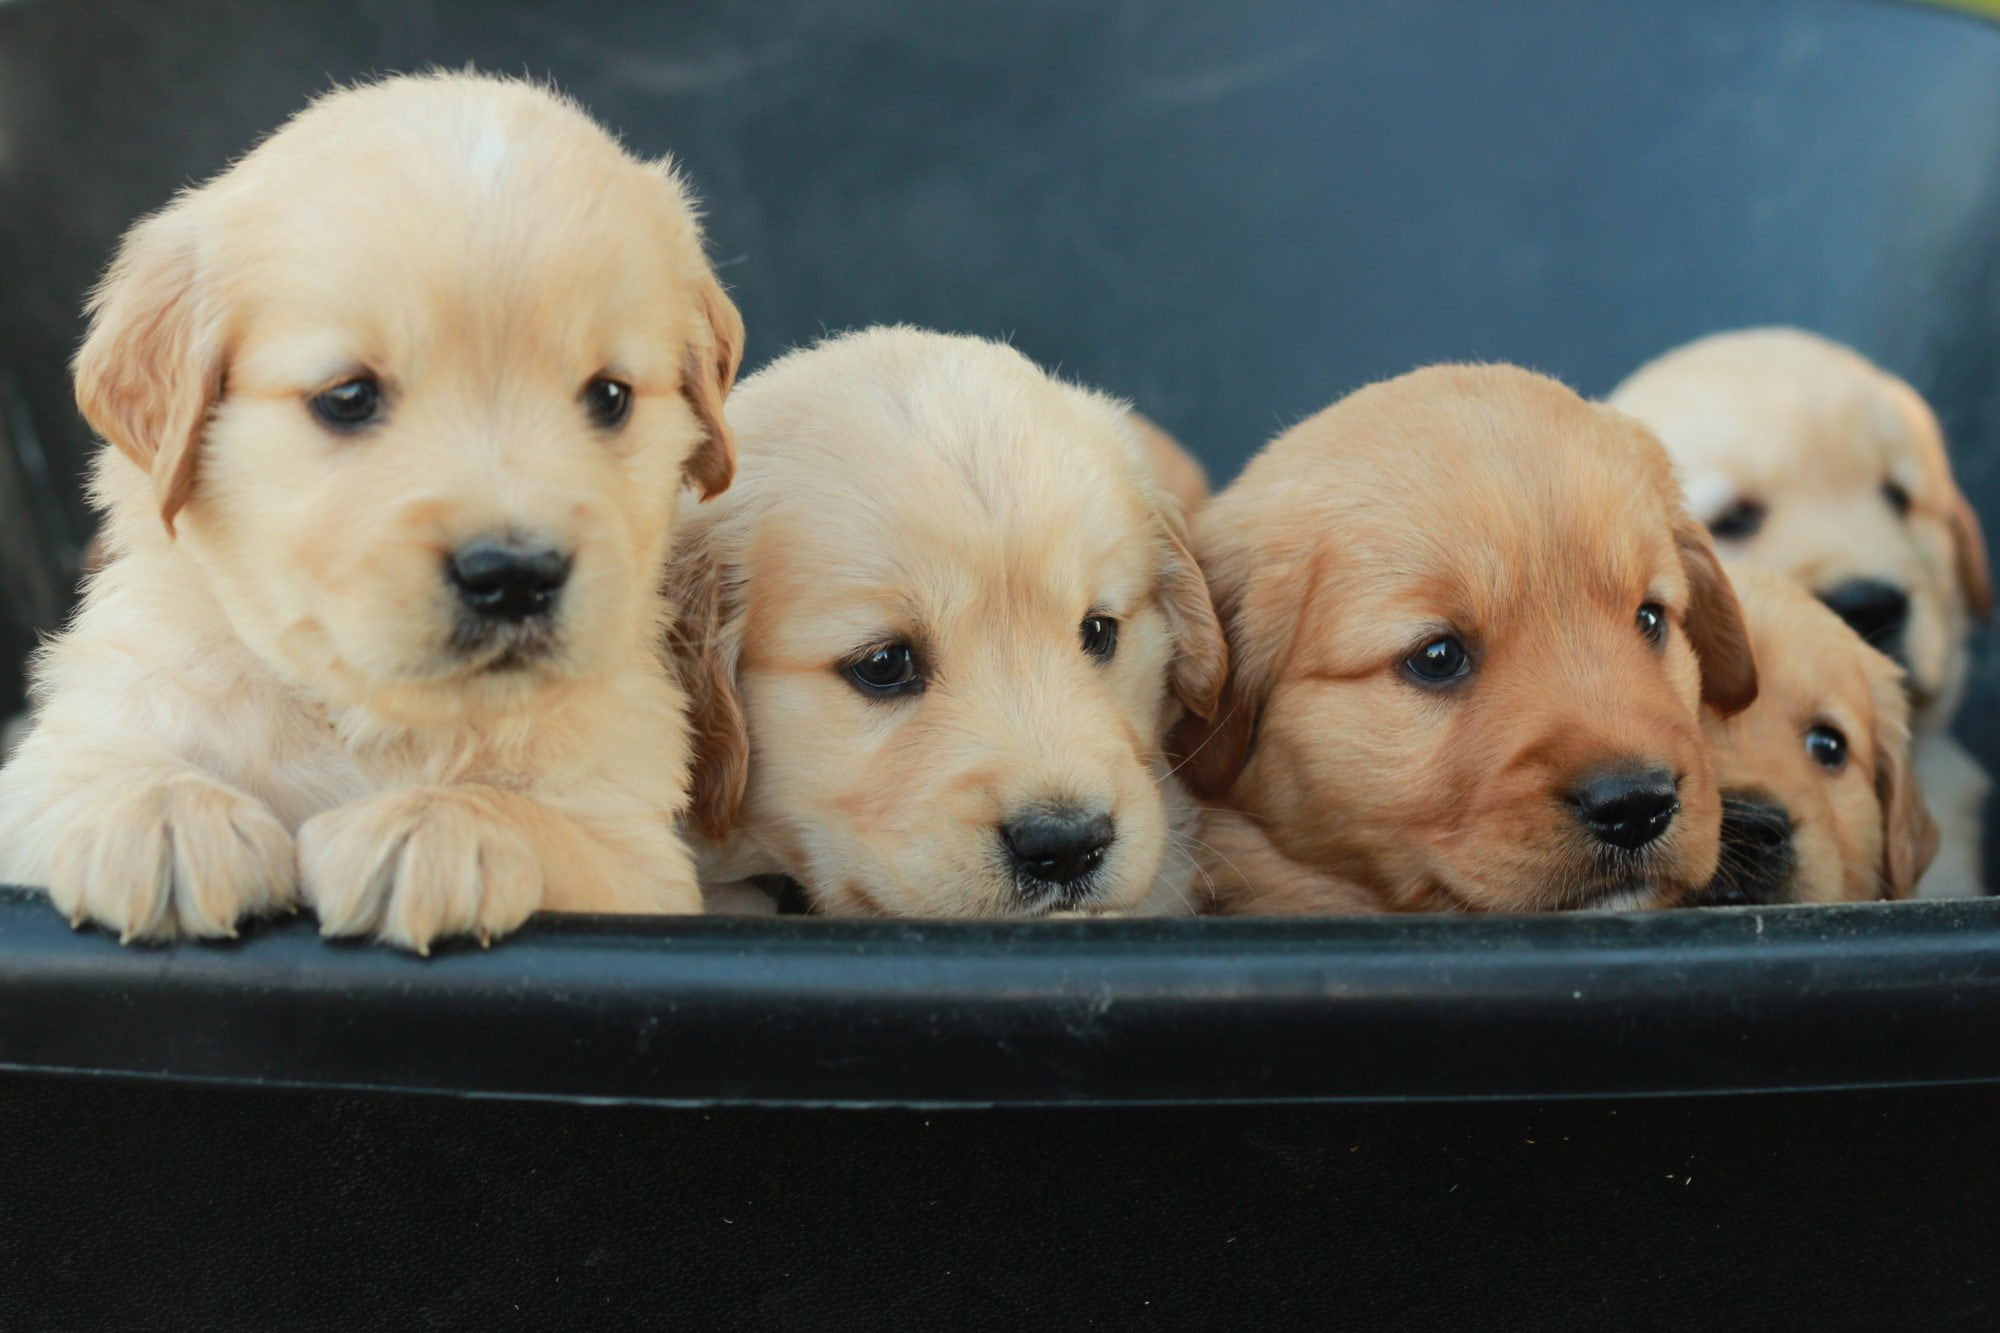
[{"x": 1231, "y": 213}]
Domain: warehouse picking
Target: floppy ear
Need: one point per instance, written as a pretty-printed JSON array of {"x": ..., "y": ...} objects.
[
  {"x": 1909, "y": 834},
  {"x": 705, "y": 643},
  {"x": 151, "y": 368},
  {"x": 1968, "y": 546},
  {"x": 1715, "y": 623},
  {"x": 708, "y": 372},
  {"x": 1201, "y": 660},
  {"x": 1253, "y": 593},
  {"x": 1916, "y": 423}
]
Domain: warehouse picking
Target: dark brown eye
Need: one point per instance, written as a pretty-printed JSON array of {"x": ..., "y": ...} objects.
[
  {"x": 1100, "y": 637},
  {"x": 1739, "y": 522},
  {"x": 1653, "y": 623},
  {"x": 349, "y": 405},
  {"x": 608, "y": 402},
  {"x": 1439, "y": 662},
  {"x": 1828, "y": 747},
  {"x": 887, "y": 671},
  {"x": 1898, "y": 497}
]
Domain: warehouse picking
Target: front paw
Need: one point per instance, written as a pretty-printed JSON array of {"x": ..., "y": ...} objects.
[
  {"x": 180, "y": 855},
  {"x": 417, "y": 865}
]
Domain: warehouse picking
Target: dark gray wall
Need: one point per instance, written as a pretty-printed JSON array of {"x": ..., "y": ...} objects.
[{"x": 1230, "y": 212}]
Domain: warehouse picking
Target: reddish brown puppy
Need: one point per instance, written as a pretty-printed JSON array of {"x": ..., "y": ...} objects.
[{"x": 1470, "y": 633}]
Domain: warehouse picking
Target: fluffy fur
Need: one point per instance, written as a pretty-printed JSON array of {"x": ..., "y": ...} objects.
[
  {"x": 1492, "y": 504},
  {"x": 1797, "y": 828},
  {"x": 1821, "y": 440},
  {"x": 270, "y": 688},
  {"x": 905, "y": 487}
]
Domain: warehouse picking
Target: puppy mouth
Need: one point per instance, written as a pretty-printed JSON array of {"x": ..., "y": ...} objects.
[
  {"x": 491, "y": 649},
  {"x": 1038, "y": 899},
  {"x": 1617, "y": 895},
  {"x": 1615, "y": 881}
]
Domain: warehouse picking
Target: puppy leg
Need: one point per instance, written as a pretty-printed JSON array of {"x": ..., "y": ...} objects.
[
  {"x": 149, "y": 847},
  {"x": 422, "y": 863}
]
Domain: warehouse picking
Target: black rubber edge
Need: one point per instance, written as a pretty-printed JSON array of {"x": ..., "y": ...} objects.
[{"x": 713, "y": 1011}]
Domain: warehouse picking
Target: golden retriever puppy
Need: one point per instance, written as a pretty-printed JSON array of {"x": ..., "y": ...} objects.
[
  {"x": 1805, "y": 458},
  {"x": 1818, "y": 801},
  {"x": 398, "y": 409},
  {"x": 934, "y": 638},
  {"x": 1470, "y": 629}
]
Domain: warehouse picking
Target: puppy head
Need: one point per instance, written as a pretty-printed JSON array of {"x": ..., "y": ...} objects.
[
  {"x": 1819, "y": 804},
  {"x": 1463, "y": 612},
  {"x": 1804, "y": 458},
  {"x": 415, "y": 384},
  {"x": 935, "y": 633}
]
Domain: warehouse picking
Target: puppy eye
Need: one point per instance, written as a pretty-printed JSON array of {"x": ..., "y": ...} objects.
[
  {"x": 1828, "y": 747},
  {"x": 1100, "y": 637},
  {"x": 349, "y": 405},
  {"x": 1653, "y": 623},
  {"x": 1898, "y": 497},
  {"x": 1739, "y": 522},
  {"x": 891, "y": 669},
  {"x": 608, "y": 402},
  {"x": 1439, "y": 662}
]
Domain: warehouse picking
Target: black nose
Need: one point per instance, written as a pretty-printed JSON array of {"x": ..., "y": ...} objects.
[
  {"x": 505, "y": 581},
  {"x": 1627, "y": 807},
  {"x": 1757, "y": 856},
  {"x": 1057, "y": 847},
  {"x": 1878, "y": 611}
]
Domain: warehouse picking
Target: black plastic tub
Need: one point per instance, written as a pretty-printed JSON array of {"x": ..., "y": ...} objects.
[{"x": 1232, "y": 214}]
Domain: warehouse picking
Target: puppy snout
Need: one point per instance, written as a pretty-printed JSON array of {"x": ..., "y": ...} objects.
[
  {"x": 1758, "y": 858},
  {"x": 1627, "y": 807},
  {"x": 1877, "y": 611},
  {"x": 1057, "y": 847},
  {"x": 508, "y": 581},
  {"x": 1764, "y": 825}
]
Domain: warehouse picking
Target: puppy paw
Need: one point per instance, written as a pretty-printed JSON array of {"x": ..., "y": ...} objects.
[
  {"x": 179, "y": 855},
  {"x": 414, "y": 866}
]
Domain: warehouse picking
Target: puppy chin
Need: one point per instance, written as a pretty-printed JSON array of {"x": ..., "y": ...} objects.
[{"x": 511, "y": 671}]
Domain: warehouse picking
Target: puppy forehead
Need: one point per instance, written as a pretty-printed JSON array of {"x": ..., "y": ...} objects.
[
  {"x": 1481, "y": 494},
  {"x": 1777, "y": 409},
  {"x": 1810, "y": 665},
  {"x": 936, "y": 490},
  {"x": 462, "y": 207}
]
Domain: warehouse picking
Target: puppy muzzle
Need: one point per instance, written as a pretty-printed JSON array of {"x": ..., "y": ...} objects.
[
  {"x": 508, "y": 593},
  {"x": 1758, "y": 857}
]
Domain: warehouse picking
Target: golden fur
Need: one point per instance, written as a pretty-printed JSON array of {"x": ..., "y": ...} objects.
[
  {"x": 1812, "y": 431},
  {"x": 905, "y": 486},
  {"x": 1859, "y": 830},
  {"x": 1495, "y": 504},
  {"x": 261, "y": 693}
]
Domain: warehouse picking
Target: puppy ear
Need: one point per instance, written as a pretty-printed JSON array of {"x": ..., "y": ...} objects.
[
  {"x": 1209, "y": 754},
  {"x": 1968, "y": 545},
  {"x": 708, "y": 372},
  {"x": 1715, "y": 623},
  {"x": 1201, "y": 659},
  {"x": 1916, "y": 425},
  {"x": 1254, "y": 593},
  {"x": 1909, "y": 834},
  {"x": 151, "y": 368},
  {"x": 705, "y": 644}
]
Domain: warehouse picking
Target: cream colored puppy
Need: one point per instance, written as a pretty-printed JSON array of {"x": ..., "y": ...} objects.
[
  {"x": 397, "y": 409},
  {"x": 1806, "y": 459},
  {"x": 934, "y": 637}
]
